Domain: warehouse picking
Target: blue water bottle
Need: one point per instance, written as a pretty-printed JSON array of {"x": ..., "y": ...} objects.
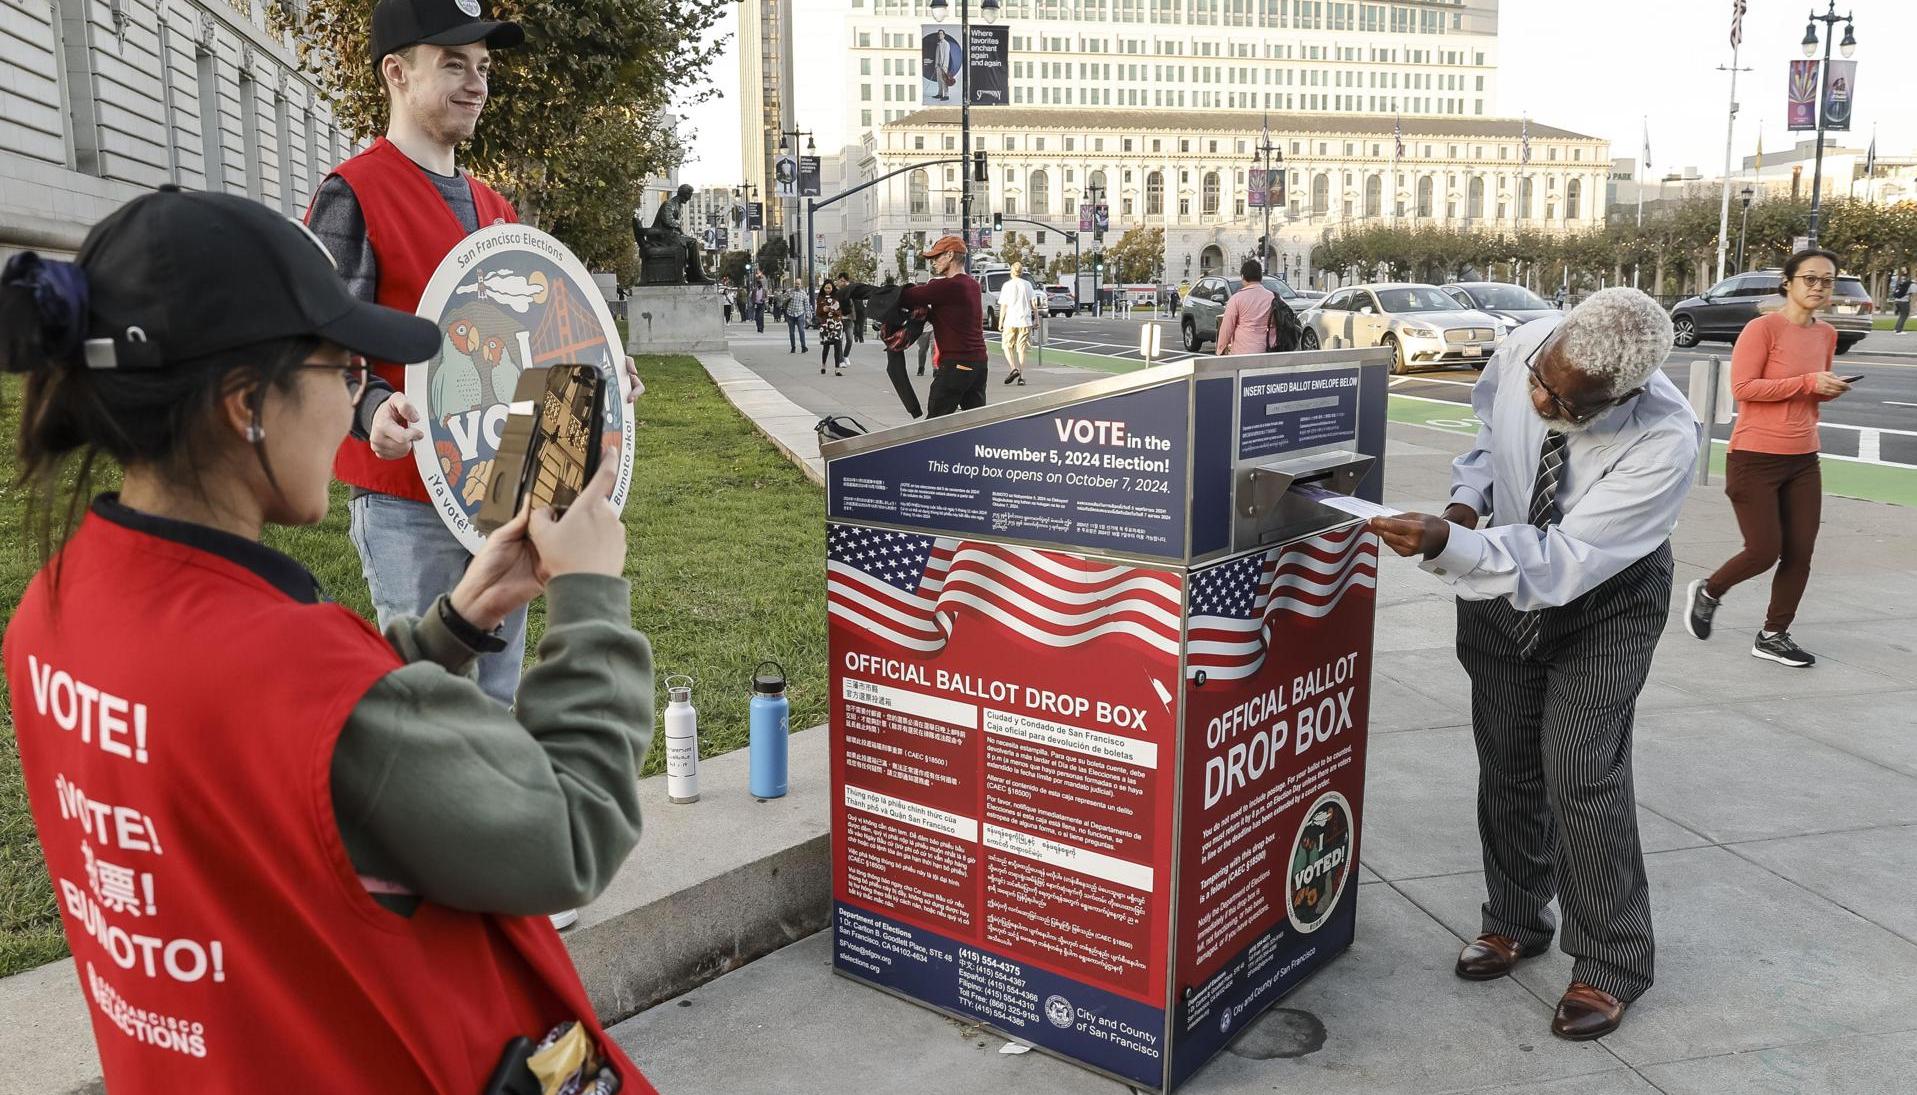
[{"x": 771, "y": 724}]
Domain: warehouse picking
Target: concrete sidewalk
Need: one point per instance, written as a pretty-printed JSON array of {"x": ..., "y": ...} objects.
[{"x": 1777, "y": 808}]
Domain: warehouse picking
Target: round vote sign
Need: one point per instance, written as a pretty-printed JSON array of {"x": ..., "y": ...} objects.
[
  {"x": 509, "y": 297},
  {"x": 1320, "y": 862}
]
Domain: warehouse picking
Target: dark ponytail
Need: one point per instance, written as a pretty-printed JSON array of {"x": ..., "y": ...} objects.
[{"x": 149, "y": 417}]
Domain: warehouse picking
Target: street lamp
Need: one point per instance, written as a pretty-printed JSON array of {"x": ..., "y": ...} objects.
[
  {"x": 989, "y": 9},
  {"x": 1830, "y": 19},
  {"x": 1262, "y": 155},
  {"x": 1097, "y": 195},
  {"x": 1743, "y": 225}
]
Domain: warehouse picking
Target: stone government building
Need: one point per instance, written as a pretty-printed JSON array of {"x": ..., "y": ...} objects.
[
  {"x": 1187, "y": 171},
  {"x": 102, "y": 100}
]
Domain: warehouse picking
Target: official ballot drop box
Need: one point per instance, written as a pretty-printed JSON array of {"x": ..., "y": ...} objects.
[{"x": 1100, "y": 677}]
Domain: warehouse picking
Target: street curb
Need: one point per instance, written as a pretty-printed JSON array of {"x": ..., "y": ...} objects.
[
  {"x": 712, "y": 886},
  {"x": 784, "y": 423}
]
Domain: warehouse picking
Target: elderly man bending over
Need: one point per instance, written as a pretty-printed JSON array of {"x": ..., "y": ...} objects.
[{"x": 1584, "y": 458}]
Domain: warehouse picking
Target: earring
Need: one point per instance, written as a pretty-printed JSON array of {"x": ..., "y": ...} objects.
[{"x": 254, "y": 434}]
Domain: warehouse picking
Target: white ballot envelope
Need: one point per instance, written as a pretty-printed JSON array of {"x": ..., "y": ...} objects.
[{"x": 1344, "y": 503}]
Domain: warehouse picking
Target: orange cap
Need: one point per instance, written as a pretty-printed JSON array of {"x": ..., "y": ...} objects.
[{"x": 951, "y": 244}]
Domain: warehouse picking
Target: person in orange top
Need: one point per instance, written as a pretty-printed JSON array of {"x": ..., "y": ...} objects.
[{"x": 1780, "y": 373}]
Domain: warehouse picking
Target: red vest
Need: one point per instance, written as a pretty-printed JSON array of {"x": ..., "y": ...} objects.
[
  {"x": 411, "y": 230},
  {"x": 177, "y": 716}
]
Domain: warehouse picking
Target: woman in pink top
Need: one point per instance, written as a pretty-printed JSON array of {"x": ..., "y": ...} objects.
[
  {"x": 1780, "y": 372},
  {"x": 1242, "y": 329}
]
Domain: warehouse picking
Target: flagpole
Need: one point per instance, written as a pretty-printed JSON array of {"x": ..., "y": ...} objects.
[
  {"x": 1724, "y": 210},
  {"x": 1644, "y": 167}
]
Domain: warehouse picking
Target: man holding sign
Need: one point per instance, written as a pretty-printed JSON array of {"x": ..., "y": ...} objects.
[{"x": 389, "y": 216}]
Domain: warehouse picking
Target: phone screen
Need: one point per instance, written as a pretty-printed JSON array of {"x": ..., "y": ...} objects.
[{"x": 550, "y": 446}]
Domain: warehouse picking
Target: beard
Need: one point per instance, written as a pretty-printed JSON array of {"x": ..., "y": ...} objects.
[{"x": 1563, "y": 426}]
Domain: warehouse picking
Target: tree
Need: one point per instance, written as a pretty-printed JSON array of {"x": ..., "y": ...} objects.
[
  {"x": 1137, "y": 256},
  {"x": 1021, "y": 249},
  {"x": 902, "y": 255},
  {"x": 854, "y": 258},
  {"x": 569, "y": 134},
  {"x": 732, "y": 265},
  {"x": 774, "y": 258}
]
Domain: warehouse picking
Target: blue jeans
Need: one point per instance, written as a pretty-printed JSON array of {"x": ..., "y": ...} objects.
[
  {"x": 758, "y": 316},
  {"x": 795, "y": 332},
  {"x": 409, "y": 558}
]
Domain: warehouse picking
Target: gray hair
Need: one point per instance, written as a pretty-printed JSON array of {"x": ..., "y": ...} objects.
[{"x": 1617, "y": 335}]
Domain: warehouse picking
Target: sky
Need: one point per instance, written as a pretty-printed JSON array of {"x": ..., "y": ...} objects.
[{"x": 1602, "y": 76}]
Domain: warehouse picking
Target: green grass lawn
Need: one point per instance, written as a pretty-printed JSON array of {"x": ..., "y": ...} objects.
[{"x": 724, "y": 558}]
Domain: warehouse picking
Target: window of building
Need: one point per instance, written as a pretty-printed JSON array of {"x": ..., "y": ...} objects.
[
  {"x": 951, "y": 206},
  {"x": 1040, "y": 190},
  {"x": 865, "y": 119},
  {"x": 1155, "y": 194},
  {"x": 918, "y": 144},
  {"x": 1474, "y": 199},
  {"x": 1011, "y": 205},
  {"x": 918, "y": 188},
  {"x": 1573, "y": 195},
  {"x": 1070, "y": 143},
  {"x": 1209, "y": 194},
  {"x": 1011, "y": 144},
  {"x": 865, "y": 66},
  {"x": 865, "y": 93},
  {"x": 1550, "y": 153},
  {"x": 1424, "y": 196}
]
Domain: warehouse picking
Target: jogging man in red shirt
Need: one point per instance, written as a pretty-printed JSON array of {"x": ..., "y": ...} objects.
[{"x": 958, "y": 326}]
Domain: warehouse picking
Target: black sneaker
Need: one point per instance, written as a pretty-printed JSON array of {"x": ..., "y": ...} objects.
[
  {"x": 1703, "y": 606},
  {"x": 1780, "y": 649}
]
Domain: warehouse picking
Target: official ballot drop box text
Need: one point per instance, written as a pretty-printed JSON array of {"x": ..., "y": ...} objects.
[{"x": 1100, "y": 678}]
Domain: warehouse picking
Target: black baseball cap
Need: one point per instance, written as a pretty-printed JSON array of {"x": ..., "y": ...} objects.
[
  {"x": 178, "y": 275},
  {"x": 401, "y": 23}
]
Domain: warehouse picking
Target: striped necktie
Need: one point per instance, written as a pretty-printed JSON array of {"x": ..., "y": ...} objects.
[{"x": 1544, "y": 513}]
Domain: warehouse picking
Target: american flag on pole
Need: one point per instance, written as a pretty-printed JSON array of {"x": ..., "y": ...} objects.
[
  {"x": 1397, "y": 135},
  {"x": 903, "y": 589},
  {"x": 1233, "y": 606},
  {"x": 1737, "y": 22},
  {"x": 1524, "y": 142}
]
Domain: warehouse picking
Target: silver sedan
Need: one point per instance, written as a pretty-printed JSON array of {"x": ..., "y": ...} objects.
[{"x": 1425, "y": 327}]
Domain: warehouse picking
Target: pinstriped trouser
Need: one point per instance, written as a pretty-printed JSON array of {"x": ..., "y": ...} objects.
[{"x": 1556, "y": 811}]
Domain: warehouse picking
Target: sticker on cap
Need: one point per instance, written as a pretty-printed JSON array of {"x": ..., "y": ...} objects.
[{"x": 470, "y": 7}]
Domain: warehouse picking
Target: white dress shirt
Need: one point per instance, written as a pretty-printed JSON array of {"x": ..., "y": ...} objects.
[{"x": 1623, "y": 482}]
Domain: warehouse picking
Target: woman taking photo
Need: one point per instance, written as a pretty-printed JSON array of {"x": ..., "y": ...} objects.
[
  {"x": 830, "y": 315},
  {"x": 1780, "y": 372},
  {"x": 328, "y": 850}
]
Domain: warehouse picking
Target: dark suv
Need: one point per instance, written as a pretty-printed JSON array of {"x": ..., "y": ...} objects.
[{"x": 1720, "y": 313}]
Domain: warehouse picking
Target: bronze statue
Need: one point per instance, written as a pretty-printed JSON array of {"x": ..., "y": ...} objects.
[{"x": 667, "y": 255}]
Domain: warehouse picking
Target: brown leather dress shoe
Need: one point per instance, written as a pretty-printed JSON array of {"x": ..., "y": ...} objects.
[
  {"x": 1585, "y": 1013},
  {"x": 1491, "y": 956}
]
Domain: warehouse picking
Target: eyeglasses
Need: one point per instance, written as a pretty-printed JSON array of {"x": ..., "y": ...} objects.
[
  {"x": 1815, "y": 282},
  {"x": 1573, "y": 413},
  {"x": 353, "y": 372}
]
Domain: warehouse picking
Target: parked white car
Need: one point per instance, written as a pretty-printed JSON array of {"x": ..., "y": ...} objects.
[{"x": 1421, "y": 323}]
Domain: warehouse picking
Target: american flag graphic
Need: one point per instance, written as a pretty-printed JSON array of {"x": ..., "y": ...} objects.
[
  {"x": 903, "y": 588},
  {"x": 1233, "y": 606}
]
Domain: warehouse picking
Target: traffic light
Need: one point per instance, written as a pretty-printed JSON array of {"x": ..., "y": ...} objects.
[
  {"x": 998, "y": 222},
  {"x": 1098, "y": 264},
  {"x": 979, "y": 172}
]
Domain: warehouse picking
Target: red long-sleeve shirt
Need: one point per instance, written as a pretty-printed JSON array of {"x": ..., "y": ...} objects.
[{"x": 958, "y": 317}]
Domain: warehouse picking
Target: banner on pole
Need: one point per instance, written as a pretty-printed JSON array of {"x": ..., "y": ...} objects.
[
  {"x": 940, "y": 61},
  {"x": 1801, "y": 112},
  {"x": 1085, "y": 217},
  {"x": 1255, "y": 197},
  {"x": 755, "y": 216},
  {"x": 808, "y": 176},
  {"x": 1843, "y": 92},
  {"x": 1101, "y": 218},
  {"x": 785, "y": 177},
  {"x": 988, "y": 75}
]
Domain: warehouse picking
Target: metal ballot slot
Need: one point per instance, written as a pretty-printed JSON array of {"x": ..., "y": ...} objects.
[{"x": 1270, "y": 511}]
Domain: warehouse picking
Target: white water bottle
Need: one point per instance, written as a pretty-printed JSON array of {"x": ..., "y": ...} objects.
[{"x": 682, "y": 741}]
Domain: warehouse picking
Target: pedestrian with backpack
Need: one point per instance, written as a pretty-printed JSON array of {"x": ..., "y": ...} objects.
[{"x": 1245, "y": 326}]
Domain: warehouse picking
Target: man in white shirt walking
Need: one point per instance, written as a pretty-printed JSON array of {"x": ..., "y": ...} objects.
[
  {"x": 1583, "y": 461},
  {"x": 1015, "y": 321}
]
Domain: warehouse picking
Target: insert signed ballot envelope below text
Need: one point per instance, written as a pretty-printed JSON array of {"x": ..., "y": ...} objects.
[{"x": 1357, "y": 507}]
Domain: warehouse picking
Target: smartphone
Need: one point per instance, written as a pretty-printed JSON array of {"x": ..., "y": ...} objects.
[
  {"x": 1851, "y": 379},
  {"x": 549, "y": 449}
]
